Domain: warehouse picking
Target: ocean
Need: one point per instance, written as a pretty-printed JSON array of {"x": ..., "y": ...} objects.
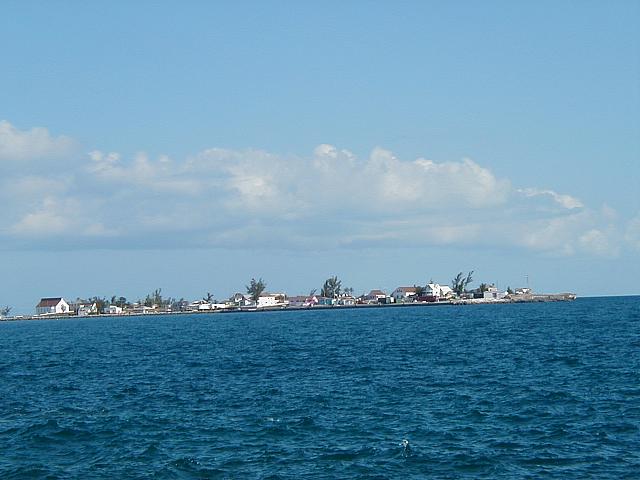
[{"x": 540, "y": 390}]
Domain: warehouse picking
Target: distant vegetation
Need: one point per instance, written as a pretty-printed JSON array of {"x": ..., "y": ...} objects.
[
  {"x": 255, "y": 288},
  {"x": 459, "y": 284},
  {"x": 331, "y": 288}
]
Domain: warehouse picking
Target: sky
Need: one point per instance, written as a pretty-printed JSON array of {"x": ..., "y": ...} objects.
[{"x": 191, "y": 146}]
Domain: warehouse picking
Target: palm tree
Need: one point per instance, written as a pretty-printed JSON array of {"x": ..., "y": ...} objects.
[{"x": 208, "y": 298}]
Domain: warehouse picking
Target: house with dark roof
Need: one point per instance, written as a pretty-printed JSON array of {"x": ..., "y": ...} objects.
[
  {"x": 52, "y": 306},
  {"x": 376, "y": 296}
]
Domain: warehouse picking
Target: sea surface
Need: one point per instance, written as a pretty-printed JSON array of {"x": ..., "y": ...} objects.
[{"x": 547, "y": 390}]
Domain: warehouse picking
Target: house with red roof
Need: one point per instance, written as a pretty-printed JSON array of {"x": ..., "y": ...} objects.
[{"x": 52, "y": 306}]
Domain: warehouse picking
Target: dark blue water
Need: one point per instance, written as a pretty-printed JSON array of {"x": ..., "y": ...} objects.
[{"x": 499, "y": 391}]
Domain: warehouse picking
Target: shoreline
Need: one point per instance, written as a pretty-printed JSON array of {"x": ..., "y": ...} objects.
[{"x": 543, "y": 298}]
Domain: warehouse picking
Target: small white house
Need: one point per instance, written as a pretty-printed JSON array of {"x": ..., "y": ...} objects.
[
  {"x": 523, "y": 291},
  {"x": 87, "y": 309},
  {"x": 272, "y": 300},
  {"x": 52, "y": 306},
  {"x": 438, "y": 291},
  {"x": 199, "y": 306},
  {"x": 113, "y": 310},
  {"x": 346, "y": 301},
  {"x": 492, "y": 293},
  {"x": 142, "y": 309},
  {"x": 402, "y": 294},
  {"x": 241, "y": 300}
]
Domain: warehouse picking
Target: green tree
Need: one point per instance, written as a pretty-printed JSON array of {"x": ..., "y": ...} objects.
[
  {"x": 100, "y": 303},
  {"x": 154, "y": 298},
  {"x": 420, "y": 290},
  {"x": 255, "y": 288},
  {"x": 4, "y": 312},
  {"x": 208, "y": 298},
  {"x": 483, "y": 287},
  {"x": 459, "y": 284},
  {"x": 509, "y": 291},
  {"x": 331, "y": 288}
]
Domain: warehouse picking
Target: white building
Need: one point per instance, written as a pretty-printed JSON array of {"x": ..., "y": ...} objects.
[
  {"x": 402, "y": 294},
  {"x": 523, "y": 291},
  {"x": 113, "y": 310},
  {"x": 142, "y": 309},
  {"x": 346, "y": 300},
  {"x": 492, "y": 293},
  {"x": 272, "y": 300},
  {"x": 199, "y": 306},
  {"x": 86, "y": 309},
  {"x": 438, "y": 291},
  {"x": 52, "y": 306},
  {"x": 241, "y": 300}
]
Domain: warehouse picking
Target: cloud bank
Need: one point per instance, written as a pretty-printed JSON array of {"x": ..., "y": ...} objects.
[
  {"x": 37, "y": 143},
  {"x": 328, "y": 199}
]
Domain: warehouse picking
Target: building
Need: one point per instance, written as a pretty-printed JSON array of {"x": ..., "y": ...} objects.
[
  {"x": 302, "y": 301},
  {"x": 326, "y": 301},
  {"x": 346, "y": 301},
  {"x": 403, "y": 294},
  {"x": 437, "y": 291},
  {"x": 523, "y": 291},
  {"x": 241, "y": 300},
  {"x": 52, "y": 306},
  {"x": 86, "y": 309},
  {"x": 142, "y": 309},
  {"x": 377, "y": 296},
  {"x": 492, "y": 293},
  {"x": 272, "y": 300},
  {"x": 113, "y": 310},
  {"x": 199, "y": 305}
]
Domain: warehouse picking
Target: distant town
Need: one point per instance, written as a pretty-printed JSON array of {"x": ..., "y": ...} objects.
[{"x": 257, "y": 298}]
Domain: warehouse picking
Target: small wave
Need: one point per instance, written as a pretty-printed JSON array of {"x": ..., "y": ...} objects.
[
  {"x": 565, "y": 360},
  {"x": 472, "y": 463},
  {"x": 348, "y": 455},
  {"x": 193, "y": 468},
  {"x": 548, "y": 461}
]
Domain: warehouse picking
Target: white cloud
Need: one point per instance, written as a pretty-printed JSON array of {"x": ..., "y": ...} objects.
[
  {"x": 597, "y": 242},
  {"x": 51, "y": 218},
  {"x": 18, "y": 144},
  {"x": 566, "y": 201},
  {"x": 632, "y": 233},
  {"x": 328, "y": 199}
]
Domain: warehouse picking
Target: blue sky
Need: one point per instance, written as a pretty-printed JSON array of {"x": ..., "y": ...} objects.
[{"x": 193, "y": 145}]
